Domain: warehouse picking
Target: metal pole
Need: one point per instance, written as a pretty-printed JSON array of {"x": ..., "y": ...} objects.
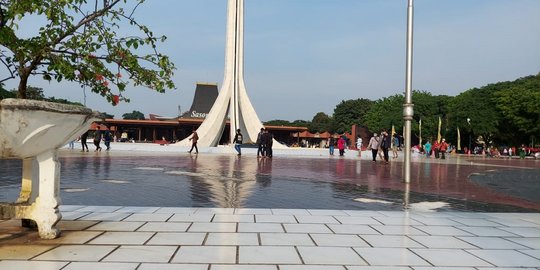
[{"x": 408, "y": 106}]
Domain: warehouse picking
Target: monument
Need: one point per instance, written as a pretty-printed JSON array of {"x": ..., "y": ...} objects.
[{"x": 232, "y": 102}]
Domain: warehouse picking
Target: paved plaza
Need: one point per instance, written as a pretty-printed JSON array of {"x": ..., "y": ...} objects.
[{"x": 460, "y": 213}]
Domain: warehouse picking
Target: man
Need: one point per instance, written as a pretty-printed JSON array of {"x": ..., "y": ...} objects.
[
  {"x": 97, "y": 139},
  {"x": 269, "y": 138},
  {"x": 194, "y": 138},
  {"x": 442, "y": 148},
  {"x": 374, "y": 146},
  {"x": 386, "y": 142},
  {"x": 238, "y": 142},
  {"x": 259, "y": 143},
  {"x": 84, "y": 138}
]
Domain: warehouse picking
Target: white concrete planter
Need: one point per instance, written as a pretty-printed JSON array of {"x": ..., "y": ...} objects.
[{"x": 33, "y": 131}]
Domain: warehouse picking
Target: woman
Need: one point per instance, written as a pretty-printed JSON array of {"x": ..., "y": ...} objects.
[
  {"x": 341, "y": 146},
  {"x": 374, "y": 145}
]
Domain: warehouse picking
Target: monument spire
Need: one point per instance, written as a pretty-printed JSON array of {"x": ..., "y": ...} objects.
[{"x": 232, "y": 101}]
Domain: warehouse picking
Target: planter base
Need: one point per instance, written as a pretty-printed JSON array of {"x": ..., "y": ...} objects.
[{"x": 33, "y": 131}]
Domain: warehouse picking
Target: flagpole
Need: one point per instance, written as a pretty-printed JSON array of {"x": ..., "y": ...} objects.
[{"x": 408, "y": 105}]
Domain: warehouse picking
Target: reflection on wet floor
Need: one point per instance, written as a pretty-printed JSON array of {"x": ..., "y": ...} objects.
[{"x": 210, "y": 180}]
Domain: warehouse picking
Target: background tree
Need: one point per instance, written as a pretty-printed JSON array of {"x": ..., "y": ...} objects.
[
  {"x": 5, "y": 93},
  {"x": 476, "y": 104},
  {"x": 350, "y": 112},
  {"x": 321, "y": 122},
  {"x": 80, "y": 41},
  {"x": 386, "y": 112},
  {"x": 519, "y": 103},
  {"x": 429, "y": 108},
  {"x": 134, "y": 115}
]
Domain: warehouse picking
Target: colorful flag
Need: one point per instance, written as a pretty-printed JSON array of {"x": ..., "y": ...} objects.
[
  {"x": 420, "y": 131},
  {"x": 458, "y": 140},
  {"x": 439, "y": 131}
]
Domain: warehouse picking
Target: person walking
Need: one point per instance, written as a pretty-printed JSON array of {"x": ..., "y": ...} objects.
[
  {"x": 359, "y": 146},
  {"x": 395, "y": 145},
  {"x": 442, "y": 148},
  {"x": 107, "y": 136},
  {"x": 374, "y": 146},
  {"x": 341, "y": 146},
  {"x": 435, "y": 148},
  {"x": 194, "y": 138},
  {"x": 238, "y": 142},
  {"x": 97, "y": 139},
  {"x": 260, "y": 147},
  {"x": 84, "y": 138},
  {"x": 331, "y": 144},
  {"x": 386, "y": 143},
  {"x": 427, "y": 148},
  {"x": 268, "y": 144}
]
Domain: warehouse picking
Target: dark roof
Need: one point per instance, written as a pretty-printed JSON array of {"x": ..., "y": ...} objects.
[{"x": 205, "y": 96}]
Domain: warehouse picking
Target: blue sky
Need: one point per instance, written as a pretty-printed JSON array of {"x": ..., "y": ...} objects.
[{"x": 305, "y": 56}]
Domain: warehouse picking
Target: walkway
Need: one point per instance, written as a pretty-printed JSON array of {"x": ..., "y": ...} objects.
[{"x": 240, "y": 238}]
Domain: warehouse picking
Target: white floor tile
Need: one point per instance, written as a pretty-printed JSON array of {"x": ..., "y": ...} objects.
[
  {"x": 71, "y": 237},
  {"x": 116, "y": 226},
  {"x": 73, "y": 215},
  {"x": 205, "y": 254},
  {"x": 357, "y": 220},
  {"x": 141, "y": 254},
  {"x": 324, "y": 212},
  {"x": 397, "y": 230},
  {"x": 530, "y": 242},
  {"x": 521, "y": 231},
  {"x": 172, "y": 266},
  {"x": 306, "y": 228},
  {"x": 338, "y": 240},
  {"x": 212, "y": 227},
  {"x": 317, "y": 219},
  {"x": 191, "y": 218},
  {"x": 122, "y": 238},
  {"x": 22, "y": 252},
  {"x": 352, "y": 229},
  {"x": 148, "y": 217},
  {"x": 363, "y": 213},
  {"x": 514, "y": 222},
  {"x": 69, "y": 208},
  {"x": 390, "y": 257},
  {"x": 449, "y": 268},
  {"x": 100, "y": 266},
  {"x": 252, "y": 211},
  {"x": 391, "y": 241},
  {"x": 286, "y": 239},
  {"x": 182, "y": 238},
  {"x": 136, "y": 209},
  {"x": 443, "y": 230},
  {"x": 506, "y": 258},
  {"x": 164, "y": 227},
  {"x": 233, "y": 218},
  {"x": 311, "y": 267},
  {"x": 76, "y": 253},
  {"x": 491, "y": 243},
  {"x": 229, "y": 211},
  {"x": 175, "y": 210},
  {"x": 243, "y": 267},
  {"x": 232, "y": 239},
  {"x": 441, "y": 242},
  {"x": 450, "y": 257},
  {"x": 275, "y": 219},
  {"x": 355, "y": 267},
  {"x": 405, "y": 221},
  {"x": 279, "y": 211},
  {"x": 260, "y": 227},
  {"x": 488, "y": 231},
  {"x": 105, "y": 216},
  {"x": 75, "y": 225},
  {"x": 436, "y": 221},
  {"x": 330, "y": 255},
  {"x": 268, "y": 255},
  {"x": 99, "y": 208},
  {"x": 476, "y": 222},
  {"x": 31, "y": 265}
]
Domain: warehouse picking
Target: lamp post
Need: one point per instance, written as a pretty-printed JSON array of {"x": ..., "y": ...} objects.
[
  {"x": 470, "y": 132},
  {"x": 408, "y": 105}
]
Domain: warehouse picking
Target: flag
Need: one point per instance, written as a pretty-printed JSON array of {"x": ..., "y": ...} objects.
[
  {"x": 420, "y": 131},
  {"x": 439, "y": 131},
  {"x": 458, "y": 140}
]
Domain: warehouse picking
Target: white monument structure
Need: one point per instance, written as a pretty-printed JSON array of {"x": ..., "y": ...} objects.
[{"x": 232, "y": 101}]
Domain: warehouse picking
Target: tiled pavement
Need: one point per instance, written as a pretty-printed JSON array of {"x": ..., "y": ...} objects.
[{"x": 141, "y": 238}]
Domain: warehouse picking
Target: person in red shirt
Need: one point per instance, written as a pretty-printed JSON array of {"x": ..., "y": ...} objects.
[{"x": 341, "y": 146}]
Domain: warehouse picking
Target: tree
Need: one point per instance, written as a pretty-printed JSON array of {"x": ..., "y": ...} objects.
[
  {"x": 519, "y": 102},
  {"x": 386, "y": 112},
  {"x": 321, "y": 122},
  {"x": 135, "y": 115},
  {"x": 5, "y": 93},
  {"x": 351, "y": 112},
  {"x": 80, "y": 41}
]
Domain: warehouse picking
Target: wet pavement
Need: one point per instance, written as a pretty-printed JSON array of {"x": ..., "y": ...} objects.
[{"x": 225, "y": 180}]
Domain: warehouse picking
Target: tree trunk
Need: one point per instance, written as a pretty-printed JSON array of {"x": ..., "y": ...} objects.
[{"x": 22, "y": 85}]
